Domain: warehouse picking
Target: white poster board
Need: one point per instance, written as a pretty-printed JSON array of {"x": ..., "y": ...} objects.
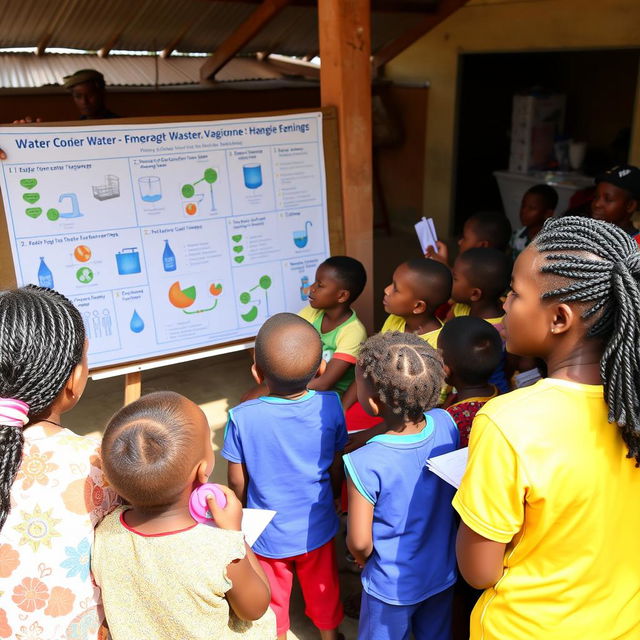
[{"x": 170, "y": 236}]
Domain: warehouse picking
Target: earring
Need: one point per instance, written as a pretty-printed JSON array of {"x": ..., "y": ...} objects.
[{"x": 553, "y": 330}]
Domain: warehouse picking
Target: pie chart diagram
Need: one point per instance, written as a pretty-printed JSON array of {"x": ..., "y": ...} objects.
[{"x": 181, "y": 298}]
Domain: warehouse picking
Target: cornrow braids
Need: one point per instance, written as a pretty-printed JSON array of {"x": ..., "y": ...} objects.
[
  {"x": 41, "y": 342},
  {"x": 406, "y": 372},
  {"x": 600, "y": 265}
]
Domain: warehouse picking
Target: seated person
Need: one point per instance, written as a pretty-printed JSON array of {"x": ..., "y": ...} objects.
[
  {"x": 618, "y": 197},
  {"x": 480, "y": 278},
  {"x": 538, "y": 203},
  {"x": 418, "y": 288},
  {"x": 338, "y": 282},
  {"x": 490, "y": 229}
]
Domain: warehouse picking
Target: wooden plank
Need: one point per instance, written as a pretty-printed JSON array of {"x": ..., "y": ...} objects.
[
  {"x": 268, "y": 10},
  {"x": 132, "y": 387},
  {"x": 391, "y": 50},
  {"x": 104, "y": 51},
  {"x": 345, "y": 82},
  {"x": 171, "y": 47}
]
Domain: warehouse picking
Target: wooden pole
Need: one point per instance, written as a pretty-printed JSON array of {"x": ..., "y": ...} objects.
[
  {"x": 345, "y": 82},
  {"x": 132, "y": 386}
]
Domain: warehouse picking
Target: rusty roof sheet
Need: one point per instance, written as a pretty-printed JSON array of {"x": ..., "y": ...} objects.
[
  {"x": 22, "y": 70},
  {"x": 151, "y": 25}
]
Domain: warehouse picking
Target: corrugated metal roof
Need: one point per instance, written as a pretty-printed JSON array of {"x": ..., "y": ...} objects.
[
  {"x": 151, "y": 25},
  {"x": 21, "y": 70}
]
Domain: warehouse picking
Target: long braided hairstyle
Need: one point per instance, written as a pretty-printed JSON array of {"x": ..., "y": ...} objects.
[
  {"x": 41, "y": 342},
  {"x": 405, "y": 371},
  {"x": 599, "y": 264}
]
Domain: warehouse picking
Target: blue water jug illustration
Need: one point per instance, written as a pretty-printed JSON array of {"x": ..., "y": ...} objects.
[
  {"x": 45, "y": 277},
  {"x": 304, "y": 288},
  {"x": 252, "y": 174},
  {"x": 168, "y": 258},
  {"x": 128, "y": 261}
]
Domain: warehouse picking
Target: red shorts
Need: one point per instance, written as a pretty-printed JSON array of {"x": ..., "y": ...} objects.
[{"x": 317, "y": 573}]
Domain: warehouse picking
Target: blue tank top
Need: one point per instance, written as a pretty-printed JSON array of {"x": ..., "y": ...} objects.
[{"x": 414, "y": 525}]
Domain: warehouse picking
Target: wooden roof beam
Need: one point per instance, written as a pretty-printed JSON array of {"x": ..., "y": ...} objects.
[
  {"x": 383, "y": 6},
  {"x": 104, "y": 51},
  {"x": 392, "y": 49},
  {"x": 173, "y": 45},
  {"x": 248, "y": 30}
]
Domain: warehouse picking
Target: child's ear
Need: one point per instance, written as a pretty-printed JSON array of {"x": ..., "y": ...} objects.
[
  {"x": 321, "y": 368},
  {"x": 476, "y": 294},
  {"x": 632, "y": 206},
  {"x": 343, "y": 296},
  {"x": 482, "y": 244},
  {"x": 563, "y": 319},
  {"x": 258, "y": 376},
  {"x": 447, "y": 371},
  {"x": 202, "y": 472},
  {"x": 375, "y": 405},
  {"x": 420, "y": 306}
]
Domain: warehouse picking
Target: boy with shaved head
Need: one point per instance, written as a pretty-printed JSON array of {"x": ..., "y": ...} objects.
[{"x": 284, "y": 454}]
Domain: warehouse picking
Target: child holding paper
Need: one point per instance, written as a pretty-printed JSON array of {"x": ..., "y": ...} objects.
[
  {"x": 162, "y": 574},
  {"x": 401, "y": 526}
]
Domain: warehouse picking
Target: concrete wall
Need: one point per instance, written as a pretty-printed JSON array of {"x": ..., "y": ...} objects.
[{"x": 502, "y": 26}]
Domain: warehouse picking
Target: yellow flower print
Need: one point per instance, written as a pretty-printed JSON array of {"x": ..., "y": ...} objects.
[
  {"x": 35, "y": 467},
  {"x": 37, "y": 528}
]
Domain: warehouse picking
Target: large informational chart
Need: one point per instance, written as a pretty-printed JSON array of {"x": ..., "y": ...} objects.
[{"x": 171, "y": 236}]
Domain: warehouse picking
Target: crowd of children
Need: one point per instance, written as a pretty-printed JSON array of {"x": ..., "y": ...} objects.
[{"x": 543, "y": 525}]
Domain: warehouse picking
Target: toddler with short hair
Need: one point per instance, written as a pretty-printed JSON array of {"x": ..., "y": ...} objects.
[{"x": 162, "y": 574}]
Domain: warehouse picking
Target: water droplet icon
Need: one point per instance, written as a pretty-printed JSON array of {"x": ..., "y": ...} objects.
[{"x": 137, "y": 323}]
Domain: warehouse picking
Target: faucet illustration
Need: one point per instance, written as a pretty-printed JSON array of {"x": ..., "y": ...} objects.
[{"x": 75, "y": 209}]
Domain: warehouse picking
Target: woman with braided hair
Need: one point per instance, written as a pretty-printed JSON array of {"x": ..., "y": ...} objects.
[
  {"x": 550, "y": 501},
  {"x": 401, "y": 525},
  {"x": 51, "y": 487}
]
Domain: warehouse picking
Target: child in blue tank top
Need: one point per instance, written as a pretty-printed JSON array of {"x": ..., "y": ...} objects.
[{"x": 401, "y": 525}]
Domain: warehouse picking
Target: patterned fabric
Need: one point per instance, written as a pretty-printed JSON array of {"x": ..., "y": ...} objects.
[
  {"x": 171, "y": 586},
  {"x": 57, "y": 499},
  {"x": 464, "y": 412}
]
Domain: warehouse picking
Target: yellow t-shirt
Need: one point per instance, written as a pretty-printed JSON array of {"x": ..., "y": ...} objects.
[
  {"x": 461, "y": 309},
  {"x": 549, "y": 476},
  {"x": 170, "y": 585},
  {"x": 396, "y": 323}
]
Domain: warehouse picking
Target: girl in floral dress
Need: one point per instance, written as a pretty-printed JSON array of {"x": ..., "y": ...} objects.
[{"x": 52, "y": 492}]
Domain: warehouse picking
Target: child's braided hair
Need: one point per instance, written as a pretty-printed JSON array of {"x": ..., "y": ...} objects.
[
  {"x": 41, "y": 342},
  {"x": 405, "y": 371},
  {"x": 600, "y": 265}
]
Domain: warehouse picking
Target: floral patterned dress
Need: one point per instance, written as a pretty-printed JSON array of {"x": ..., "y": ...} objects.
[{"x": 57, "y": 498}]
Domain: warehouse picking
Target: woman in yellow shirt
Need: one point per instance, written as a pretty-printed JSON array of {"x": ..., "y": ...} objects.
[{"x": 550, "y": 501}]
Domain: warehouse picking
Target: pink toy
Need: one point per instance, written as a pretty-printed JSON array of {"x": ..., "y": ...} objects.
[{"x": 198, "y": 507}]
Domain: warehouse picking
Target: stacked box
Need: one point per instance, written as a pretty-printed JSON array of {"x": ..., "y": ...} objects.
[{"x": 535, "y": 122}]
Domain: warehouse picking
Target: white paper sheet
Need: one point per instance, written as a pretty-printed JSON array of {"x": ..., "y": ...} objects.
[
  {"x": 254, "y": 522},
  {"x": 426, "y": 231},
  {"x": 450, "y": 466}
]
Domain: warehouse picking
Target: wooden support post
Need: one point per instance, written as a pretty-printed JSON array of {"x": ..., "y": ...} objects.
[
  {"x": 132, "y": 386},
  {"x": 345, "y": 82},
  {"x": 265, "y": 12}
]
